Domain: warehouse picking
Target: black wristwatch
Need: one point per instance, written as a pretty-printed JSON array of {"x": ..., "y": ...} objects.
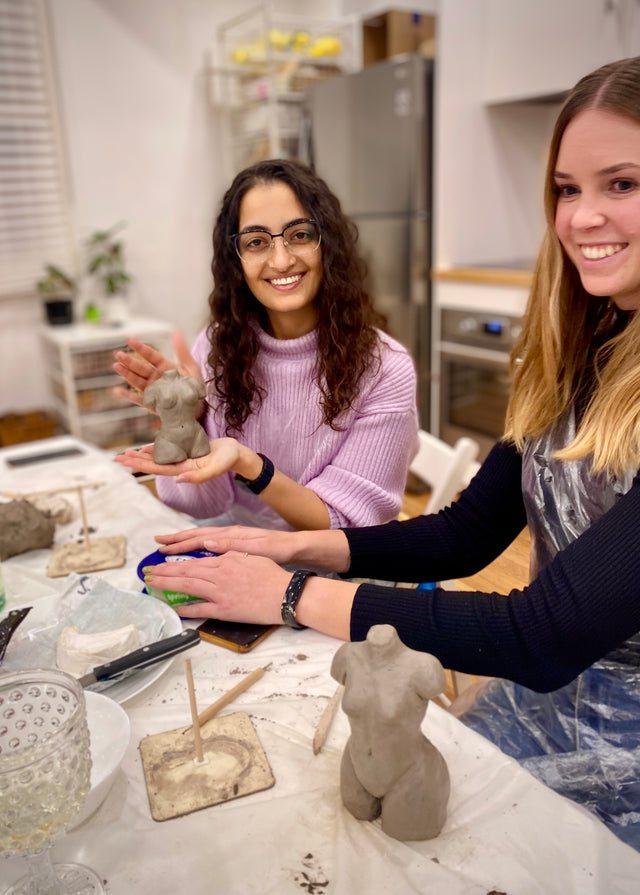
[
  {"x": 292, "y": 595},
  {"x": 259, "y": 484}
]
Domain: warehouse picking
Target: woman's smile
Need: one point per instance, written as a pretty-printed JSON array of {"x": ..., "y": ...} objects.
[
  {"x": 598, "y": 252},
  {"x": 286, "y": 282}
]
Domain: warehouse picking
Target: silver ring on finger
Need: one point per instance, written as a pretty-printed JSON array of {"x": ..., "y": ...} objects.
[{"x": 244, "y": 555}]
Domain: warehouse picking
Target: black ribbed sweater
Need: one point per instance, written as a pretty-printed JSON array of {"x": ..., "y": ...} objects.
[{"x": 582, "y": 605}]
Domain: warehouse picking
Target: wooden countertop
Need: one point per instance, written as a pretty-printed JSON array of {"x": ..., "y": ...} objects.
[
  {"x": 510, "y": 570},
  {"x": 497, "y": 276}
]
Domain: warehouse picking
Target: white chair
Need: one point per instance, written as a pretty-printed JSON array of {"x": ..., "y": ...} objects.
[{"x": 445, "y": 469}]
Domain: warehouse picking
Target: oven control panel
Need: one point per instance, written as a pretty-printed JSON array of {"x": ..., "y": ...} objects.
[{"x": 482, "y": 329}]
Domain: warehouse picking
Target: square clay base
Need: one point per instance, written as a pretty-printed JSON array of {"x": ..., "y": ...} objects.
[{"x": 236, "y": 765}]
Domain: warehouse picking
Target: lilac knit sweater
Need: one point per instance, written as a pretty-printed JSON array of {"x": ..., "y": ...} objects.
[{"x": 359, "y": 472}]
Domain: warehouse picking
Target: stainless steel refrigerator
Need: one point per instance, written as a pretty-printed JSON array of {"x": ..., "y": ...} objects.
[{"x": 370, "y": 139}]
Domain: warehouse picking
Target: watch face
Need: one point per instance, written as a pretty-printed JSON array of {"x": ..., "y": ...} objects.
[{"x": 288, "y": 615}]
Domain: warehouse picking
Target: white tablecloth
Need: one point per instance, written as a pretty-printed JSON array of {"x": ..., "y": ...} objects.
[{"x": 505, "y": 831}]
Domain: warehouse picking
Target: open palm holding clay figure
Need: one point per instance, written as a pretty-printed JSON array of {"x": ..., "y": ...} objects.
[
  {"x": 389, "y": 768},
  {"x": 176, "y": 399}
]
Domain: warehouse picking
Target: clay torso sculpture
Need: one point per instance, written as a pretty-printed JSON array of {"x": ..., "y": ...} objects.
[
  {"x": 175, "y": 399},
  {"x": 389, "y": 768}
]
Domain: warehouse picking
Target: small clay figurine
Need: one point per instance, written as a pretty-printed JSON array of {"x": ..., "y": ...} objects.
[
  {"x": 175, "y": 399},
  {"x": 389, "y": 768}
]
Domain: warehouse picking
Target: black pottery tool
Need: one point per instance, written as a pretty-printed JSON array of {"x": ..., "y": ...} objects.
[
  {"x": 8, "y": 627},
  {"x": 142, "y": 658}
]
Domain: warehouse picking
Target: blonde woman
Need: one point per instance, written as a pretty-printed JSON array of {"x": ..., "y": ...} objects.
[{"x": 567, "y": 466}]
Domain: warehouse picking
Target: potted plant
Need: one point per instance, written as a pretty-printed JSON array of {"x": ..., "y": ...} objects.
[
  {"x": 58, "y": 291},
  {"x": 107, "y": 265}
]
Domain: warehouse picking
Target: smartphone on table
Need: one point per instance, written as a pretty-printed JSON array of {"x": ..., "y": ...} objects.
[{"x": 237, "y": 636}]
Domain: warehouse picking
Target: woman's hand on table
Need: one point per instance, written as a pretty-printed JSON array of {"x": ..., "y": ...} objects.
[
  {"x": 235, "y": 587},
  {"x": 242, "y": 588},
  {"x": 223, "y": 456},
  {"x": 327, "y": 549},
  {"x": 276, "y": 545},
  {"x": 144, "y": 364}
]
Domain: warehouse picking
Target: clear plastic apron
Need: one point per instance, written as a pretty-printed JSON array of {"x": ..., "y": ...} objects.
[{"x": 582, "y": 740}]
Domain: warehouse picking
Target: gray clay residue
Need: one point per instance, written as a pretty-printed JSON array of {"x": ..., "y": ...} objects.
[
  {"x": 311, "y": 878},
  {"x": 23, "y": 527}
]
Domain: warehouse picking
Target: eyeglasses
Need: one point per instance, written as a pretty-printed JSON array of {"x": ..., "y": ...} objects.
[{"x": 300, "y": 238}]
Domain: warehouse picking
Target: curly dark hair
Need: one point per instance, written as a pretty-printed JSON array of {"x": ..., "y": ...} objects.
[{"x": 347, "y": 338}]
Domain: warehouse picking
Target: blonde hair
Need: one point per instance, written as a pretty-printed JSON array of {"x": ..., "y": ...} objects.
[{"x": 562, "y": 320}]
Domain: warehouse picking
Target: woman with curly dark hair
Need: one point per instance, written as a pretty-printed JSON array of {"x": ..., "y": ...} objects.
[{"x": 311, "y": 405}]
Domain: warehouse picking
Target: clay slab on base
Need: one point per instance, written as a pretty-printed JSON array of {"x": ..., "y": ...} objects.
[
  {"x": 236, "y": 766},
  {"x": 100, "y": 553}
]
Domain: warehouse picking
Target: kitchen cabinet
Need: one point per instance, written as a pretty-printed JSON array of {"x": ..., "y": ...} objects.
[
  {"x": 78, "y": 361},
  {"x": 539, "y": 50},
  {"x": 262, "y": 64}
]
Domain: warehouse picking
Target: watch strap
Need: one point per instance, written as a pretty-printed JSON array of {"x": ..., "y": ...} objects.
[
  {"x": 260, "y": 483},
  {"x": 292, "y": 595}
]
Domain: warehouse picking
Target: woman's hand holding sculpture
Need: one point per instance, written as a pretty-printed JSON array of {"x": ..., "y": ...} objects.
[
  {"x": 224, "y": 454},
  {"x": 144, "y": 364}
]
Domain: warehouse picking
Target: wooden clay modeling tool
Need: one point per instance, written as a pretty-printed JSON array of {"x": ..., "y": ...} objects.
[
  {"x": 325, "y": 720},
  {"x": 187, "y": 774},
  {"x": 219, "y": 704}
]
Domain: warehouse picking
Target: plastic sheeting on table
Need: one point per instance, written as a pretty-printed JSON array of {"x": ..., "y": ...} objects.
[
  {"x": 582, "y": 740},
  {"x": 504, "y": 832}
]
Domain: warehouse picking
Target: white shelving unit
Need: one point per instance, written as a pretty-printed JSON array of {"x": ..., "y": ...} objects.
[
  {"x": 262, "y": 64},
  {"x": 78, "y": 361}
]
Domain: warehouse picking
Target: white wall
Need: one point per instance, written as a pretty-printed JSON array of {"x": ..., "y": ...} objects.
[{"x": 489, "y": 161}]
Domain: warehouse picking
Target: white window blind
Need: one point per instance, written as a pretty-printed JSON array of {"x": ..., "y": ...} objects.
[{"x": 35, "y": 211}]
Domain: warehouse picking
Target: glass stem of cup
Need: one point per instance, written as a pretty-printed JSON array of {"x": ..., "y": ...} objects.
[{"x": 42, "y": 875}]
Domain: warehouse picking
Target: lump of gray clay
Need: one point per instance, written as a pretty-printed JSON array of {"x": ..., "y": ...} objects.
[
  {"x": 175, "y": 398},
  {"x": 23, "y": 527},
  {"x": 389, "y": 768}
]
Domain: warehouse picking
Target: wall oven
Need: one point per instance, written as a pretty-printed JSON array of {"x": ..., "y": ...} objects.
[{"x": 474, "y": 375}]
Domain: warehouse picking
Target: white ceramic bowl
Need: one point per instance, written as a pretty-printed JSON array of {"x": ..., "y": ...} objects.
[{"x": 110, "y": 733}]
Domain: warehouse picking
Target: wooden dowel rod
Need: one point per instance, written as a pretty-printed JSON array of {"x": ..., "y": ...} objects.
[
  {"x": 194, "y": 712},
  {"x": 83, "y": 512},
  {"x": 325, "y": 720}
]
